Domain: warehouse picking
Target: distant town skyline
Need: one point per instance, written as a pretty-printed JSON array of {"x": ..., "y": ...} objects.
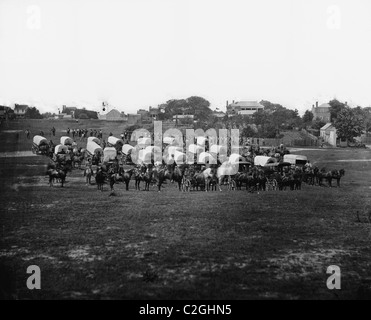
[{"x": 136, "y": 54}]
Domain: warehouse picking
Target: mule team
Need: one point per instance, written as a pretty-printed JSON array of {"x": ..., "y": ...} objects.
[{"x": 209, "y": 178}]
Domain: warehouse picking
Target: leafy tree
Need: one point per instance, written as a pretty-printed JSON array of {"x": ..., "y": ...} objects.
[
  {"x": 269, "y": 106},
  {"x": 336, "y": 107},
  {"x": 318, "y": 124},
  {"x": 199, "y": 106},
  {"x": 33, "y": 113},
  {"x": 248, "y": 132},
  {"x": 47, "y": 115},
  {"x": 349, "y": 123},
  {"x": 308, "y": 117}
]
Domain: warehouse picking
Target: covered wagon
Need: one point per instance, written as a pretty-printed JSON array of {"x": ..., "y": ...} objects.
[
  {"x": 206, "y": 158},
  {"x": 297, "y": 160},
  {"x": 60, "y": 148},
  {"x": 144, "y": 142},
  {"x": 109, "y": 154},
  {"x": 94, "y": 152},
  {"x": 127, "y": 149},
  {"x": 263, "y": 160},
  {"x": 94, "y": 139},
  {"x": 93, "y": 148},
  {"x": 40, "y": 145},
  {"x": 66, "y": 141}
]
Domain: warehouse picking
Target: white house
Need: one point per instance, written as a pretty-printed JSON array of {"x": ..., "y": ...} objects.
[
  {"x": 328, "y": 134},
  {"x": 245, "y": 108}
]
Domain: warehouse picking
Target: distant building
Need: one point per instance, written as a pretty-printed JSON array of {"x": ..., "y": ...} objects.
[
  {"x": 154, "y": 112},
  {"x": 328, "y": 134},
  {"x": 114, "y": 115},
  {"x": 69, "y": 111},
  {"x": 245, "y": 108},
  {"x": 20, "y": 110},
  {"x": 134, "y": 119},
  {"x": 144, "y": 114},
  {"x": 183, "y": 116},
  {"x": 322, "y": 112}
]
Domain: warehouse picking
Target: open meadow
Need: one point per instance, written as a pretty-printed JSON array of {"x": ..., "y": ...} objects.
[{"x": 175, "y": 245}]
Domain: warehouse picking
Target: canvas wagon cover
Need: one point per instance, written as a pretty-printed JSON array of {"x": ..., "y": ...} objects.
[
  {"x": 292, "y": 158},
  {"x": 235, "y": 158},
  {"x": 126, "y": 148},
  {"x": 93, "y": 147},
  {"x": 206, "y": 157},
  {"x": 113, "y": 140},
  {"x": 39, "y": 140},
  {"x": 94, "y": 139},
  {"x": 201, "y": 141},
  {"x": 109, "y": 154},
  {"x": 262, "y": 160},
  {"x": 194, "y": 148},
  {"x": 168, "y": 140},
  {"x": 145, "y": 156},
  {"x": 59, "y": 148},
  {"x": 66, "y": 141},
  {"x": 144, "y": 142}
]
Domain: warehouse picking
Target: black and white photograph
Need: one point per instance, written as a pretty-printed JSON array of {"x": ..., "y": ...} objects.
[{"x": 181, "y": 151}]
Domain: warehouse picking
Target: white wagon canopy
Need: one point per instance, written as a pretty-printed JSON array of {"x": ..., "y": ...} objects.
[
  {"x": 113, "y": 141},
  {"x": 66, "y": 141},
  {"x": 126, "y": 149},
  {"x": 206, "y": 157},
  {"x": 109, "y": 154},
  {"x": 60, "y": 148},
  {"x": 144, "y": 142},
  {"x": 93, "y": 148},
  {"x": 295, "y": 159},
  {"x": 262, "y": 160},
  {"x": 94, "y": 139},
  {"x": 39, "y": 140},
  {"x": 235, "y": 158}
]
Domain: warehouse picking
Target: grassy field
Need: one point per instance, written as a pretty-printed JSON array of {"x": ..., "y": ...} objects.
[{"x": 172, "y": 245}]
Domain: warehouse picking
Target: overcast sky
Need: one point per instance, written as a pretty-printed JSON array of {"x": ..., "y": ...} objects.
[{"x": 140, "y": 53}]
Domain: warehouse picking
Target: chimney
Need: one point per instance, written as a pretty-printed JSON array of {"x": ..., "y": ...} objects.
[
  {"x": 232, "y": 101},
  {"x": 346, "y": 103},
  {"x": 316, "y": 104},
  {"x": 227, "y": 103}
]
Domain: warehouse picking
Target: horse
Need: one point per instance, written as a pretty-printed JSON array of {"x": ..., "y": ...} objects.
[
  {"x": 177, "y": 175},
  {"x": 248, "y": 179},
  {"x": 57, "y": 174},
  {"x": 138, "y": 176},
  {"x": 161, "y": 174},
  {"x": 147, "y": 177},
  {"x": 100, "y": 178},
  {"x": 77, "y": 160},
  {"x": 337, "y": 175},
  {"x": 88, "y": 173},
  {"x": 231, "y": 183},
  {"x": 126, "y": 177}
]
